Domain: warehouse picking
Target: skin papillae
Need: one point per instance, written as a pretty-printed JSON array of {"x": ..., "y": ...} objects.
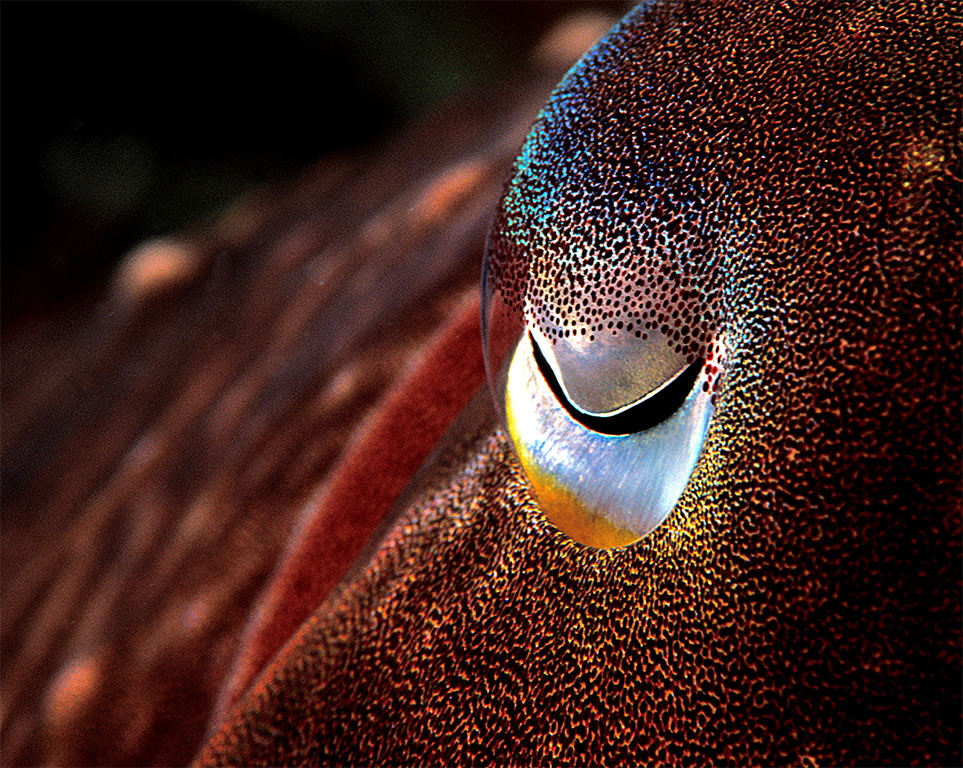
[{"x": 801, "y": 604}]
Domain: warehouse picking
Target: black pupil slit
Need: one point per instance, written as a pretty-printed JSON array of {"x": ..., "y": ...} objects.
[{"x": 645, "y": 414}]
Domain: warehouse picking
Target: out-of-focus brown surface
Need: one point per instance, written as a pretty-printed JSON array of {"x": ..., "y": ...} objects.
[{"x": 157, "y": 445}]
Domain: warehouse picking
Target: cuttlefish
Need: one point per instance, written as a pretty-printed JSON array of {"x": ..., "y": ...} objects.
[
  {"x": 707, "y": 511},
  {"x": 678, "y": 483}
]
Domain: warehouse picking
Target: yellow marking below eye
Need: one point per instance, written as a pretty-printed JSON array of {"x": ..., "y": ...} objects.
[{"x": 562, "y": 507}]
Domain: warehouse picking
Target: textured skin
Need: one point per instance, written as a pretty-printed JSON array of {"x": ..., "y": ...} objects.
[{"x": 801, "y": 604}]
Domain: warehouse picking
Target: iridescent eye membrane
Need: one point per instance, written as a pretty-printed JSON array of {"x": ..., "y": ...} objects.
[{"x": 605, "y": 480}]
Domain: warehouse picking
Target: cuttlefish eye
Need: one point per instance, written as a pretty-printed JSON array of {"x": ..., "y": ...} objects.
[
  {"x": 608, "y": 276},
  {"x": 607, "y": 416}
]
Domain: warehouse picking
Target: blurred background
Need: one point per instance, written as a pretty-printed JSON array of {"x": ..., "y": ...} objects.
[
  {"x": 311, "y": 184},
  {"x": 124, "y": 121}
]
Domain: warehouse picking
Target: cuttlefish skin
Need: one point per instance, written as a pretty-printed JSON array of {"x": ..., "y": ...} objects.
[{"x": 801, "y": 604}]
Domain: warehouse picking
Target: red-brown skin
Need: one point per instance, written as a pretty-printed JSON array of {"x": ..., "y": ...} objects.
[
  {"x": 391, "y": 447},
  {"x": 802, "y": 602}
]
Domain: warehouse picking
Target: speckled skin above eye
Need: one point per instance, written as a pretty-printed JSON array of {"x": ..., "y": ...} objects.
[{"x": 788, "y": 176}]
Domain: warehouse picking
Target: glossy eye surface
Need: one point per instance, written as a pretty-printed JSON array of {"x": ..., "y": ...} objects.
[
  {"x": 605, "y": 480},
  {"x": 609, "y": 430},
  {"x": 602, "y": 335}
]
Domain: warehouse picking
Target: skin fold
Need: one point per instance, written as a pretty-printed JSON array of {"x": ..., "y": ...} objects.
[{"x": 799, "y": 167}]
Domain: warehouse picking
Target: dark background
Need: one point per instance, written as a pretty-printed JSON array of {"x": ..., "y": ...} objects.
[{"x": 122, "y": 121}]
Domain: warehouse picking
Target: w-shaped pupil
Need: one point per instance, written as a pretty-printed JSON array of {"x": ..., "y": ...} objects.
[{"x": 645, "y": 414}]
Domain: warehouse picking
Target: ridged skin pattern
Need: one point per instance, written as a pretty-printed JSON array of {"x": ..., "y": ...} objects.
[{"x": 801, "y": 604}]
